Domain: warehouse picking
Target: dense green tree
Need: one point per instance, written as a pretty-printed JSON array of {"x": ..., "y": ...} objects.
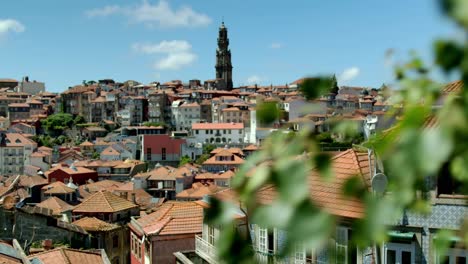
[
  {"x": 55, "y": 124},
  {"x": 79, "y": 119},
  {"x": 156, "y": 124},
  {"x": 207, "y": 148},
  {"x": 184, "y": 160},
  {"x": 334, "y": 86}
]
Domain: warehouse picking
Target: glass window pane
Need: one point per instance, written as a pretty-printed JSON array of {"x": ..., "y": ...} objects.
[
  {"x": 460, "y": 260},
  {"x": 405, "y": 257},
  {"x": 391, "y": 257}
]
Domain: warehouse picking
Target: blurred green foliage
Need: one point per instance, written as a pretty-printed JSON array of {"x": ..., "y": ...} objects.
[{"x": 410, "y": 153}]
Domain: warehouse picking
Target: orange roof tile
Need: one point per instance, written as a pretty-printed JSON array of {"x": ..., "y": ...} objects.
[
  {"x": 94, "y": 224},
  {"x": 328, "y": 194},
  {"x": 198, "y": 191},
  {"x": 173, "y": 218},
  {"x": 57, "y": 188},
  {"x": 104, "y": 202},
  {"x": 67, "y": 255},
  {"x": 217, "y": 126},
  {"x": 55, "y": 204}
]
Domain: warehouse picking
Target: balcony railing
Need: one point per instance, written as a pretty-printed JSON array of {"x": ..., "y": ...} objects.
[{"x": 205, "y": 250}]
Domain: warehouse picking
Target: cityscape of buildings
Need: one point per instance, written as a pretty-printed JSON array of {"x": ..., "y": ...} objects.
[{"x": 119, "y": 172}]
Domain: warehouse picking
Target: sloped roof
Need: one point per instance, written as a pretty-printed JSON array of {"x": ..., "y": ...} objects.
[
  {"x": 56, "y": 205},
  {"x": 328, "y": 194},
  {"x": 453, "y": 87},
  {"x": 198, "y": 191},
  {"x": 104, "y": 202},
  {"x": 236, "y": 151},
  {"x": 94, "y": 224},
  {"x": 57, "y": 187},
  {"x": 173, "y": 218},
  {"x": 67, "y": 255}
]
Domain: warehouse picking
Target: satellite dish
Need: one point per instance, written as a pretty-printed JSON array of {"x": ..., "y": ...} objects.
[{"x": 379, "y": 183}]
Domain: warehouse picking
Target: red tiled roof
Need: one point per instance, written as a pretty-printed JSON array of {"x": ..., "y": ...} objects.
[
  {"x": 67, "y": 255},
  {"x": 56, "y": 205},
  {"x": 198, "y": 191},
  {"x": 94, "y": 224},
  {"x": 453, "y": 87},
  {"x": 104, "y": 202},
  {"x": 173, "y": 218},
  {"x": 328, "y": 194},
  {"x": 217, "y": 126}
]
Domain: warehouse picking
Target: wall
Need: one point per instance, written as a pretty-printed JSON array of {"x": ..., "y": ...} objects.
[
  {"x": 43, "y": 227},
  {"x": 164, "y": 247}
]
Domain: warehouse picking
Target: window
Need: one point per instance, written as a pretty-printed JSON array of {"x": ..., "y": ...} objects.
[
  {"x": 453, "y": 255},
  {"x": 163, "y": 154},
  {"x": 341, "y": 245},
  {"x": 262, "y": 240},
  {"x": 148, "y": 153},
  {"x": 211, "y": 235},
  {"x": 115, "y": 241},
  {"x": 196, "y": 132},
  {"x": 399, "y": 253},
  {"x": 240, "y": 131}
]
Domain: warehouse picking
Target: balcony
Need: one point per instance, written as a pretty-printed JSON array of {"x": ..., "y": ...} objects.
[{"x": 205, "y": 249}]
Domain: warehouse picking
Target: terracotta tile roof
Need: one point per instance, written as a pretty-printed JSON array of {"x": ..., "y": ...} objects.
[
  {"x": 198, "y": 191},
  {"x": 86, "y": 144},
  {"x": 217, "y": 126},
  {"x": 110, "y": 151},
  {"x": 104, "y": 202},
  {"x": 57, "y": 187},
  {"x": 453, "y": 87},
  {"x": 90, "y": 188},
  {"x": 205, "y": 176},
  {"x": 251, "y": 147},
  {"x": 67, "y": 255},
  {"x": 225, "y": 175},
  {"x": 28, "y": 181},
  {"x": 69, "y": 170},
  {"x": 328, "y": 194},
  {"x": 231, "y": 109},
  {"x": 235, "y": 160},
  {"x": 18, "y": 140},
  {"x": 173, "y": 218},
  {"x": 94, "y": 224},
  {"x": 236, "y": 151},
  {"x": 55, "y": 204},
  {"x": 162, "y": 173}
]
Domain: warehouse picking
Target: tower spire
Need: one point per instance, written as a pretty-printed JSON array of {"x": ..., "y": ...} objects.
[{"x": 223, "y": 60}]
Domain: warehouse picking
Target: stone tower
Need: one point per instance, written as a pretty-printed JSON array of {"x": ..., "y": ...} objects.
[{"x": 223, "y": 61}]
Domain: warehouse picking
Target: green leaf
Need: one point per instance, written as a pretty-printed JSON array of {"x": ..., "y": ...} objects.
[
  {"x": 267, "y": 113},
  {"x": 448, "y": 54},
  {"x": 312, "y": 88}
]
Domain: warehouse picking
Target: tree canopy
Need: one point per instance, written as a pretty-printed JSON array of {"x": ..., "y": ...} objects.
[{"x": 55, "y": 124}]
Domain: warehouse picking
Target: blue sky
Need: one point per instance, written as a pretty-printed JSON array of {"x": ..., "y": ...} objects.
[{"x": 65, "y": 42}]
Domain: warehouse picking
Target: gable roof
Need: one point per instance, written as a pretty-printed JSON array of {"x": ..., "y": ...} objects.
[
  {"x": 172, "y": 218},
  {"x": 94, "y": 224},
  {"x": 198, "y": 191},
  {"x": 57, "y": 187},
  {"x": 104, "y": 202},
  {"x": 328, "y": 194},
  {"x": 55, "y": 204},
  {"x": 66, "y": 255}
]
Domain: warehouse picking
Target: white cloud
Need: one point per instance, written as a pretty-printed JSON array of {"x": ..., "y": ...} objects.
[
  {"x": 105, "y": 11},
  {"x": 164, "y": 46},
  {"x": 255, "y": 79},
  {"x": 176, "y": 53},
  {"x": 10, "y": 25},
  {"x": 175, "y": 61},
  {"x": 348, "y": 74},
  {"x": 158, "y": 15},
  {"x": 276, "y": 45}
]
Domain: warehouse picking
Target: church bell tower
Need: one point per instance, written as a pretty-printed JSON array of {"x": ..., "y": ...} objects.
[{"x": 223, "y": 61}]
